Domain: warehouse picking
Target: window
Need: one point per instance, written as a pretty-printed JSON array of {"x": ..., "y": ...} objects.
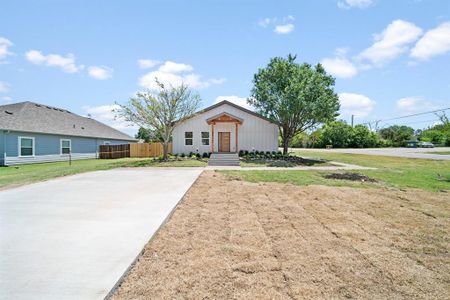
[
  {"x": 66, "y": 146},
  {"x": 26, "y": 146},
  {"x": 205, "y": 138},
  {"x": 188, "y": 138},
  {"x": 106, "y": 143}
]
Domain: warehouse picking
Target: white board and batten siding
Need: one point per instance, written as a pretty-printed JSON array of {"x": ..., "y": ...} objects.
[{"x": 255, "y": 133}]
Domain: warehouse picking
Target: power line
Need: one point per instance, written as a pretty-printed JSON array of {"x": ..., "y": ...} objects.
[
  {"x": 409, "y": 123},
  {"x": 407, "y": 116}
]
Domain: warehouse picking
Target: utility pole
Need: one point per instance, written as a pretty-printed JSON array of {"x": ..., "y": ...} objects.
[{"x": 353, "y": 117}]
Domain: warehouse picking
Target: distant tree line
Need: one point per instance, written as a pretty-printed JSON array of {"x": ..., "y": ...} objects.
[{"x": 339, "y": 134}]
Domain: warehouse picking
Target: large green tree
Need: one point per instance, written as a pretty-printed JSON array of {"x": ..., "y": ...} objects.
[
  {"x": 295, "y": 96},
  {"x": 159, "y": 111},
  {"x": 397, "y": 134},
  {"x": 149, "y": 136}
]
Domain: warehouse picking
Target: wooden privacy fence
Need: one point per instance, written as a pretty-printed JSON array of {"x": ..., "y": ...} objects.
[
  {"x": 114, "y": 151},
  {"x": 132, "y": 150},
  {"x": 148, "y": 150}
]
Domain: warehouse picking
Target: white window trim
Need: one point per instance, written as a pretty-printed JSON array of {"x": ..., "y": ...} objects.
[
  {"x": 60, "y": 146},
  {"x": 192, "y": 138},
  {"x": 19, "y": 144}
]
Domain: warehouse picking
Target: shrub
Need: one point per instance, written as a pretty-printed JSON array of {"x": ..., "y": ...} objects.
[
  {"x": 205, "y": 154},
  {"x": 241, "y": 153},
  {"x": 182, "y": 155},
  {"x": 191, "y": 154},
  {"x": 198, "y": 156}
]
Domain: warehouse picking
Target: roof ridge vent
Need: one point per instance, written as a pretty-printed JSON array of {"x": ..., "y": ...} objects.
[{"x": 9, "y": 112}]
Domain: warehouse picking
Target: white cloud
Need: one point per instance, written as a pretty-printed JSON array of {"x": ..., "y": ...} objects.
[
  {"x": 340, "y": 67},
  {"x": 100, "y": 72},
  {"x": 265, "y": 22},
  {"x": 66, "y": 63},
  {"x": 281, "y": 26},
  {"x": 355, "y": 104},
  {"x": 105, "y": 114},
  {"x": 173, "y": 67},
  {"x": 147, "y": 63},
  {"x": 347, "y": 4},
  {"x": 4, "y": 48},
  {"x": 284, "y": 29},
  {"x": 175, "y": 74},
  {"x": 5, "y": 100},
  {"x": 236, "y": 100},
  {"x": 392, "y": 42},
  {"x": 4, "y": 87},
  {"x": 415, "y": 104},
  {"x": 435, "y": 42}
]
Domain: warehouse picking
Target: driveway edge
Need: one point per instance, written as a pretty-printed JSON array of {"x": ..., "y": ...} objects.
[{"x": 133, "y": 263}]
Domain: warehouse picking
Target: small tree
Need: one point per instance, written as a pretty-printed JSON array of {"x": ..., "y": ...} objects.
[
  {"x": 297, "y": 97},
  {"x": 161, "y": 110}
]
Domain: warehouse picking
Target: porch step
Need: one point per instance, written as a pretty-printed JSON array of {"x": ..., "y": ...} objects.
[{"x": 223, "y": 159}]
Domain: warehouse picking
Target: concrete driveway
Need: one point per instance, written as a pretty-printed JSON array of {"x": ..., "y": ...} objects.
[
  {"x": 399, "y": 152},
  {"x": 74, "y": 237}
]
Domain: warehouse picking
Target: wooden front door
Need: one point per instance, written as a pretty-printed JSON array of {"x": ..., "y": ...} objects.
[{"x": 224, "y": 141}]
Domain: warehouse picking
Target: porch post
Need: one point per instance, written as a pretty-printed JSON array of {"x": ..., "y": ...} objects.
[
  {"x": 237, "y": 137},
  {"x": 212, "y": 138}
]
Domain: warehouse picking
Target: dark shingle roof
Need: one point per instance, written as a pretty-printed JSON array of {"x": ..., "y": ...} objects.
[{"x": 34, "y": 117}]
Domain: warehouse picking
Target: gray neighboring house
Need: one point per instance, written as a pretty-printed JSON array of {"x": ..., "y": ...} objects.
[{"x": 35, "y": 133}]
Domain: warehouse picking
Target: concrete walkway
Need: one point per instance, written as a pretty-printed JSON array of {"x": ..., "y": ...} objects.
[
  {"x": 423, "y": 153},
  {"x": 337, "y": 166},
  {"x": 74, "y": 237}
]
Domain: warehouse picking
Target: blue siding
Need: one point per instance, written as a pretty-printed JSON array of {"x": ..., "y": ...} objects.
[
  {"x": 47, "y": 144},
  {"x": 2, "y": 147}
]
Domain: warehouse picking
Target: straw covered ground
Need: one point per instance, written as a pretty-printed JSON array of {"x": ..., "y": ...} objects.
[{"x": 231, "y": 239}]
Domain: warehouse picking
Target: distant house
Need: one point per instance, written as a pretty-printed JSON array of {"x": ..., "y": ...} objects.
[
  {"x": 225, "y": 127},
  {"x": 34, "y": 133}
]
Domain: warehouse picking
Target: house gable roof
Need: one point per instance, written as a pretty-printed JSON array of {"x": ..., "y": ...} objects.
[
  {"x": 224, "y": 117},
  {"x": 39, "y": 118},
  {"x": 235, "y": 106}
]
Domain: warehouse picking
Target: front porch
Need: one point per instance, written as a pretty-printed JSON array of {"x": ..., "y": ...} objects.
[{"x": 227, "y": 128}]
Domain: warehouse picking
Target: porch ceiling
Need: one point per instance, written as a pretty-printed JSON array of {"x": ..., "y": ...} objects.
[{"x": 224, "y": 118}]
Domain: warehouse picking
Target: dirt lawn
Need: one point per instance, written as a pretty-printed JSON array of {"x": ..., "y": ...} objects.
[{"x": 231, "y": 239}]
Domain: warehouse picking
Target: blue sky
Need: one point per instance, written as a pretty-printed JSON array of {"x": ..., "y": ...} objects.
[{"x": 390, "y": 58}]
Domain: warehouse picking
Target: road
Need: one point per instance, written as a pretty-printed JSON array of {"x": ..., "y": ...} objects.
[{"x": 423, "y": 153}]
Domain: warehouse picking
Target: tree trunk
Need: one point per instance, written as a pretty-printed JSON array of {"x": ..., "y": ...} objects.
[
  {"x": 165, "y": 149},
  {"x": 285, "y": 145}
]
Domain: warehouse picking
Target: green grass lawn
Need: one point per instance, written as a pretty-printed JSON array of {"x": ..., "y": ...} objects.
[
  {"x": 396, "y": 172},
  {"x": 23, "y": 174}
]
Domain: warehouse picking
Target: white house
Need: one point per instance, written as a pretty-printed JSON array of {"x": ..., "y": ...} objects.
[{"x": 225, "y": 127}]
